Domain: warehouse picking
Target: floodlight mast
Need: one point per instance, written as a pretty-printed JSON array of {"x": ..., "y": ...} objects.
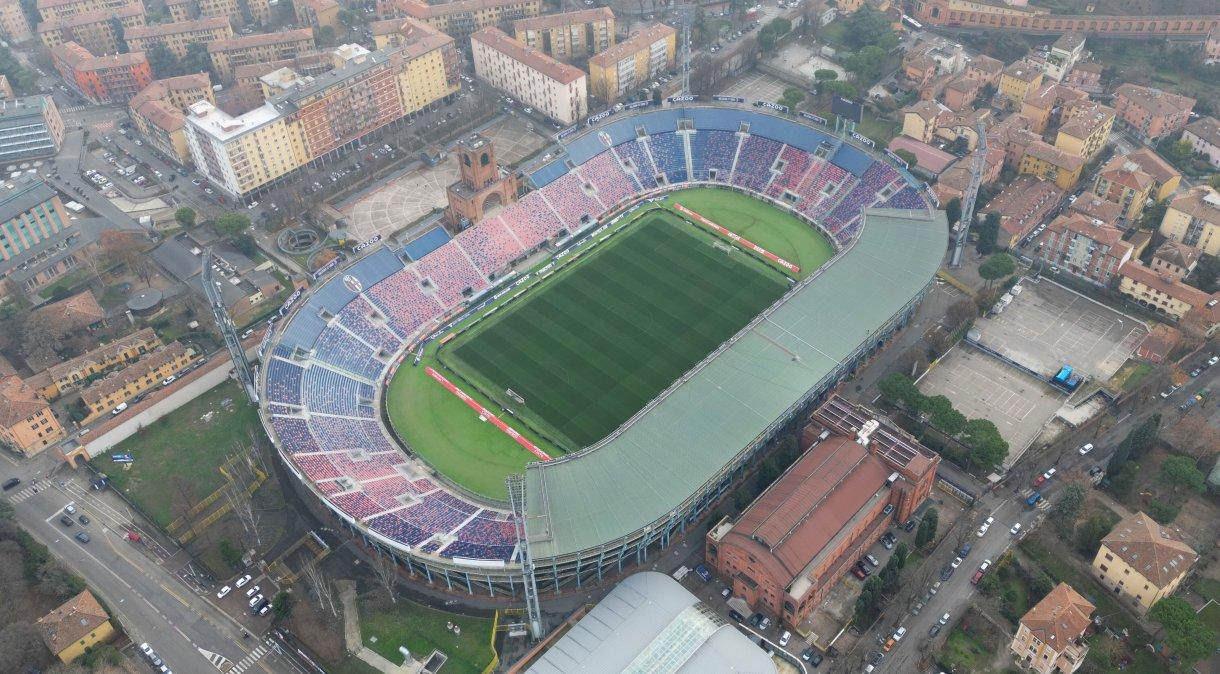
[{"x": 211, "y": 290}]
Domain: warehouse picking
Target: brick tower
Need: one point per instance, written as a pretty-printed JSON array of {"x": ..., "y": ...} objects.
[{"x": 480, "y": 186}]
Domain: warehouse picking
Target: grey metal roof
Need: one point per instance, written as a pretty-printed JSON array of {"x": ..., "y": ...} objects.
[
  {"x": 650, "y": 623},
  {"x": 27, "y": 193},
  {"x": 582, "y": 501}
]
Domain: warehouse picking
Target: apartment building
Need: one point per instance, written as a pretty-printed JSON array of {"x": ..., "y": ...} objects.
[
  {"x": 1018, "y": 80},
  {"x": 1088, "y": 249},
  {"x": 309, "y": 118},
  {"x": 568, "y": 35},
  {"x": 1085, "y": 128},
  {"x": 1164, "y": 293},
  {"x": 1125, "y": 183},
  {"x": 554, "y": 89},
  {"x": 59, "y": 9},
  {"x": 248, "y": 11},
  {"x": 76, "y": 626},
  {"x": 1086, "y": 77},
  {"x": 177, "y": 35},
  {"x": 1204, "y": 137},
  {"x": 1176, "y": 259},
  {"x": 122, "y": 385},
  {"x": 1142, "y": 561},
  {"x": 927, "y": 121},
  {"x": 464, "y": 17},
  {"x": 1050, "y": 636},
  {"x": 100, "y": 31},
  {"x": 984, "y": 69},
  {"x": 14, "y": 25},
  {"x": 234, "y": 52},
  {"x": 74, "y": 372},
  {"x": 1193, "y": 218},
  {"x": 633, "y": 63},
  {"x": 317, "y": 13},
  {"x": 30, "y": 214},
  {"x": 1043, "y": 107},
  {"x": 1151, "y": 114},
  {"x": 1022, "y": 204},
  {"x": 159, "y": 112},
  {"x": 254, "y": 76},
  {"x": 1063, "y": 55},
  {"x": 27, "y": 424},
  {"x": 1165, "y": 178},
  {"x": 101, "y": 79},
  {"x": 30, "y": 127}
]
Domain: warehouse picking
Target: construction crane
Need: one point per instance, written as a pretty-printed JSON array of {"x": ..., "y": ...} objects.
[{"x": 978, "y": 163}]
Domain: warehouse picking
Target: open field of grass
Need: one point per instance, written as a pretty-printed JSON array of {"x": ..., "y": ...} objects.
[
  {"x": 385, "y": 627},
  {"x": 182, "y": 452}
]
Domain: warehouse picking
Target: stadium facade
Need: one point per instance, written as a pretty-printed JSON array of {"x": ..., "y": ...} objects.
[{"x": 599, "y": 511}]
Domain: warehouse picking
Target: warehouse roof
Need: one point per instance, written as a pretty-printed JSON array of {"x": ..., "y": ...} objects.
[{"x": 617, "y": 488}]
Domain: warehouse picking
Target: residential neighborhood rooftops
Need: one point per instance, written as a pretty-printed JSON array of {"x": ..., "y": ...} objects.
[{"x": 1150, "y": 548}]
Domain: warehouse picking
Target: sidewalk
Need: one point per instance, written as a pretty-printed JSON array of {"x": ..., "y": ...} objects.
[{"x": 353, "y": 642}]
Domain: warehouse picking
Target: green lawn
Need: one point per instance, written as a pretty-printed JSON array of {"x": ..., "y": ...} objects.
[
  {"x": 593, "y": 346},
  {"x": 182, "y": 452},
  {"x": 422, "y": 630},
  {"x": 779, "y": 232},
  {"x": 1207, "y": 587},
  {"x": 1211, "y": 616},
  {"x": 961, "y": 653}
]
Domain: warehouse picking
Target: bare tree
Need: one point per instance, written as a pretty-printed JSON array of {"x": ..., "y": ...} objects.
[
  {"x": 1194, "y": 436},
  {"x": 320, "y": 587},
  {"x": 243, "y": 506},
  {"x": 386, "y": 571}
]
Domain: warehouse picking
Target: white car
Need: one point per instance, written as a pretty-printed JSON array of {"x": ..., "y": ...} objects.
[
  {"x": 1213, "y": 360},
  {"x": 169, "y": 380},
  {"x": 252, "y": 591},
  {"x": 243, "y": 580},
  {"x": 982, "y": 530},
  {"x": 985, "y": 565},
  {"x": 957, "y": 561},
  {"x": 1048, "y": 474},
  {"x": 146, "y": 649},
  {"x": 944, "y": 620},
  {"x": 900, "y": 633},
  {"x": 1086, "y": 448},
  {"x": 224, "y": 592},
  {"x": 1016, "y": 529},
  {"x": 254, "y": 602},
  {"x": 785, "y": 638}
]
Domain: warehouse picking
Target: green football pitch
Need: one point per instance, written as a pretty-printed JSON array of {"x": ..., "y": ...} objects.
[
  {"x": 592, "y": 344},
  {"x": 596, "y": 344}
]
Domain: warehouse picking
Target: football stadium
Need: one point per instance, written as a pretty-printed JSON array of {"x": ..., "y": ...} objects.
[{"x": 583, "y": 373}]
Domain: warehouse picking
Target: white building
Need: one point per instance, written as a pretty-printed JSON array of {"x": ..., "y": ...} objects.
[
  {"x": 1063, "y": 55},
  {"x": 554, "y": 89},
  {"x": 1203, "y": 135}
]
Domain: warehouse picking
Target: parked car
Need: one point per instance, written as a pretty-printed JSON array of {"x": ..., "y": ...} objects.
[
  {"x": 909, "y": 525},
  {"x": 65, "y": 520},
  {"x": 726, "y": 593},
  {"x": 785, "y": 638},
  {"x": 1016, "y": 529},
  {"x": 934, "y": 631},
  {"x": 1086, "y": 448},
  {"x": 83, "y": 518},
  {"x": 243, "y": 580},
  {"x": 944, "y": 620},
  {"x": 252, "y": 591},
  {"x": 82, "y": 537},
  {"x": 223, "y": 592}
]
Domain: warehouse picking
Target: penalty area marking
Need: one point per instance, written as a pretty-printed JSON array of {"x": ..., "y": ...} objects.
[
  {"x": 486, "y": 414},
  {"x": 739, "y": 239}
]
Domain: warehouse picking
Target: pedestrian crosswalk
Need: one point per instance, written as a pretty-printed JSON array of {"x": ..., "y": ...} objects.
[
  {"x": 251, "y": 658},
  {"x": 26, "y": 493}
]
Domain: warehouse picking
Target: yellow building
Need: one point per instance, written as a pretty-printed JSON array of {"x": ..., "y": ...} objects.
[
  {"x": 228, "y": 54},
  {"x": 1050, "y": 636},
  {"x": 633, "y": 63},
  {"x": 926, "y": 121},
  {"x": 1085, "y": 129},
  {"x": 1125, "y": 183},
  {"x": 1049, "y": 162},
  {"x": 14, "y": 26},
  {"x": 27, "y": 424},
  {"x": 1194, "y": 219},
  {"x": 187, "y": 10},
  {"x": 241, "y": 154},
  {"x": 96, "y": 31},
  {"x": 1018, "y": 81},
  {"x": 58, "y": 9},
  {"x": 159, "y": 112},
  {"x": 76, "y": 371},
  {"x": 568, "y": 35},
  {"x": 1166, "y": 178},
  {"x": 463, "y": 17},
  {"x": 1161, "y": 291},
  {"x": 120, "y": 386},
  {"x": 77, "y": 625},
  {"x": 1141, "y": 561},
  {"x": 176, "y": 36},
  {"x": 317, "y": 13}
]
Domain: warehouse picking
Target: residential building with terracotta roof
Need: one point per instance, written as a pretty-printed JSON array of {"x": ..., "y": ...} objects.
[
  {"x": 1203, "y": 135},
  {"x": 76, "y": 626},
  {"x": 464, "y": 17},
  {"x": 632, "y": 63},
  {"x": 553, "y": 88},
  {"x": 1094, "y": 207},
  {"x": 14, "y": 25},
  {"x": 1211, "y": 48},
  {"x": 1085, "y": 128},
  {"x": 1163, "y": 293},
  {"x": 984, "y": 68},
  {"x": 101, "y": 79},
  {"x": 928, "y": 120},
  {"x": 1022, "y": 204},
  {"x": 27, "y": 424},
  {"x": 58, "y": 9},
  {"x": 1193, "y": 218},
  {"x": 1161, "y": 341},
  {"x": 960, "y": 92},
  {"x": 955, "y": 180},
  {"x": 1019, "y": 79},
  {"x": 1043, "y": 106},
  {"x": 1085, "y": 248},
  {"x": 317, "y": 13},
  {"x": 1063, "y": 55},
  {"x": 1151, "y": 114},
  {"x": 120, "y": 386},
  {"x": 74, "y": 372},
  {"x": 1165, "y": 178},
  {"x": 785, "y": 552},
  {"x": 1176, "y": 259},
  {"x": 568, "y": 35},
  {"x": 72, "y": 314},
  {"x": 98, "y": 31},
  {"x": 246, "y": 11},
  {"x": 176, "y": 36},
  {"x": 1125, "y": 183},
  {"x": 1086, "y": 77},
  {"x": 1142, "y": 561},
  {"x": 1038, "y": 158},
  {"x": 231, "y": 53},
  {"x": 159, "y": 112},
  {"x": 1050, "y": 636}
]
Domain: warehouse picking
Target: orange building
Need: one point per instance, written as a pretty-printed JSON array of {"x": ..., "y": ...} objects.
[
  {"x": 1151, "y": 113},
  {"x": 27, "y": 424},
  {"x": 101, "y": 79}
]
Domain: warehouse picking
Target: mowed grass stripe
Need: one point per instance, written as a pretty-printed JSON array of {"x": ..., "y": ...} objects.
[{"x": 592, "y": 348}]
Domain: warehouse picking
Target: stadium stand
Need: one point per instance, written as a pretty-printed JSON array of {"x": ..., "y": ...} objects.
[
  {"x": 568, "y": 199},
  {"x": 326, "y": 390},
  {"x": 341, "y": 349},
  {"x": 491, "y": 245},
  {"x": 532, "y": 221},
  {"x": 404, "y": 302},
  {"x": 669, "y": 154},
  {"x": 713, "y": 150},
  {"x": 607, "y": 176},
  {"x": 754, "y": 162},
  {"x": 426, "y": 243},
  {"x": 356, "y": 318},
  {"x": 632, "y": 151},
  {"x": 796, "y": 163},
  {"x": 451, "y": 274},
  {"x": 284, "y": 381}
]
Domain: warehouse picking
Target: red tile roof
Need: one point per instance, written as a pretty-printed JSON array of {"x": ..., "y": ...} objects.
[
  {"x": 1149, "y": 548},
  {"x": 1060, "y": 618}
]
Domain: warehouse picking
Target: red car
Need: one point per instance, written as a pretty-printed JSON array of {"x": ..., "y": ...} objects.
[
  {"x": 858, "y": 573},
  {"x": 1039, "y": 480}
]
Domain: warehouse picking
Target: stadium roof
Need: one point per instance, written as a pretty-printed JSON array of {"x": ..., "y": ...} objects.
[
  {"x": 628, "y": 483},
  {"x": 650, "y": 623}
]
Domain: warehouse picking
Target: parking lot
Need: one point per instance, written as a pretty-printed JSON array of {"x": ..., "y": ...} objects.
[
  {"x": 1048, "y": 326},
  {"x": 756, "y": 86},
  {"x": 982, "y": 386}
]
